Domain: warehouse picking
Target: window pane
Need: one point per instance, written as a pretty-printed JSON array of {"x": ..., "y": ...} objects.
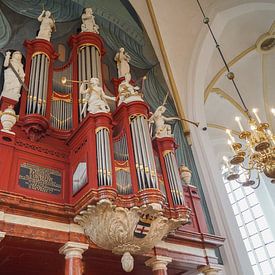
[
  {"x": 239, "y": 220},
  {"x": 271, "y": 249},
  {"x": 248, "y": 190},
  {"x": 262, "y": 223},
  {"x": 257, "y": 211},
  {"x": 235, "y": 185},
  {"x": 267, "y": 236},
  {"x": 243, "y": 204},
  {"x": 247, "y": 216},
  {"x": 235, "y": 208},
  {"x": 231, "y": 198},
  {"x": 228, "y": 189},
  {"x": 247, "y": 245},
  {"x": 251, "y": 258},
  {"x": 256, "y": 241},
  {"x": 243, "y": 232},
  {"x": 266, "y": 267},
  {"x": 252, "y": 199},
  {"x": 256, "y": 270},
  {"x": 238, "y": 194},
  {"x": 251, "y": 228},
  {"x": 260, "y": 253}
]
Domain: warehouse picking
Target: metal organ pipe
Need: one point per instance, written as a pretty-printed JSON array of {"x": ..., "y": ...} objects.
[
  {"x": 89, "y": 65},
  {"x": 38, "y": 84},
  {"x": 104, "y": 166},
  {"x": 143, "y": 152},
  {"x": 30, "y": 93},
  {"x": 45, "y": 88},
  {"x": 173, "y": 178},
  {"x": 41, "y": 78},
  {"x": 137, "y": 156}
]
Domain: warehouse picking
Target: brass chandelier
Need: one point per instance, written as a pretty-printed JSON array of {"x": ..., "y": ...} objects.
[{"x": 255, "y": 152}]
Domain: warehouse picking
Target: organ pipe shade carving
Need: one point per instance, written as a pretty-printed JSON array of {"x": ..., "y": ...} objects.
[
  {"x": 89, "y": 65},
  {"x": 104, "y": 165},
  {"x": 61, "y": 113},
  {"x": 143, "y": 152},
  {"x": 123, "y": 175},
  {"x": 38, "y": 85},
  {"x": 123, "y": 181},
  {"x": 121, "y": 149},
  {"x": 174, "y": 178}
]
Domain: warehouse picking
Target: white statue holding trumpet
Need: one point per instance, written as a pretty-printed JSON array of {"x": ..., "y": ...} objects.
[
  {"x": 162, "y": 129},
  {"x": 95, "y": 97}
]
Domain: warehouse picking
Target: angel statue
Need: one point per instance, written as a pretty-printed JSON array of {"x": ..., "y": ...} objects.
[
  {"x": 14, "y": 75},
  {"x": 127, "y": 92},
  {"x": 47, "y": 25},
  {"x": 88, "y": 21},
  {"x": 162, "y": 129},
  {"x": 122, "y": 62},
  {"x": 95, "y": 97}
]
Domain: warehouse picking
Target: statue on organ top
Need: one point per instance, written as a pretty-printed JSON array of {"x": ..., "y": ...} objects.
[
  {"x": 127, "y": 92},
  {"x": 95, "y": 97},
  {"x": 13, "y": 76},
  {"x": 162, "y": 129},
  {"x": 88, "y": 21},
  {"x": 47, "y": 25},
  {"x": 122, "y": 62}
]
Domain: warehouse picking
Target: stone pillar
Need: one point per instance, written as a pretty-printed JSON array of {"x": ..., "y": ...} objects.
[
  {"x": 73, "y": 256},
  {"x": 208, "y": 270},
  {"x": 158, "y": 264}
]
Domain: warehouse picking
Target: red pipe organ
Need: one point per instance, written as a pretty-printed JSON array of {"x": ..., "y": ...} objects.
[{"x": 68, "y": 160}]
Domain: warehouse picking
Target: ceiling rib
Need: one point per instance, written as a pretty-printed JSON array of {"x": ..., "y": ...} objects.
[{"x": 223, "y": 70}]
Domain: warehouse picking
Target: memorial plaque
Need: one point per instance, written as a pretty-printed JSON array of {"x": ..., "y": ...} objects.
[{"x": 39, "y": 178}]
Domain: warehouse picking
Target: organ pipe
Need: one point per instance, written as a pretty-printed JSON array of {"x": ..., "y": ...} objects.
[
  {"x": 104, "y": 165},
  {"x": 38, "y": 85},
  {"x": 173, "y": 178},
  {"x": 143, "y": 152},
  {"x": 89, "y": 65}
]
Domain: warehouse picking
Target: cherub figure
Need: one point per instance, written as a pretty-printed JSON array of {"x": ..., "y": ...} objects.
[
  {"x": 47, "y": 25},
  {"x": 14, "y": 75},
  {"x": 127, "y": 92},
  {"x": 88, "y": 21},
  {"x": 122, "y": 62},
  {"x": 95, "y": 97},
  {"x": 162, "y": 129}
]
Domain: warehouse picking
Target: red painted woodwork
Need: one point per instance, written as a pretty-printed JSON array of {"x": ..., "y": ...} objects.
[
  {"x": 33, "y": 47},
  {"x": 6, "y": 102},
  {"x": 35, "y": 126},
  {"x": 73, "y": 266},
  {"x": 160, "y": 272},
  {"x": 62, "y": 151},
  {"x": 164, "y": 145}
]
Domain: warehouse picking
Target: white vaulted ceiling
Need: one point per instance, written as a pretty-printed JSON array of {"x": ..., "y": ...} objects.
[{"x": 197, "y": 67}]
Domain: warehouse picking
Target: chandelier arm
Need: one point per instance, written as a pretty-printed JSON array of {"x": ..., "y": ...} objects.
[{"x": 230, "y": 75}]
